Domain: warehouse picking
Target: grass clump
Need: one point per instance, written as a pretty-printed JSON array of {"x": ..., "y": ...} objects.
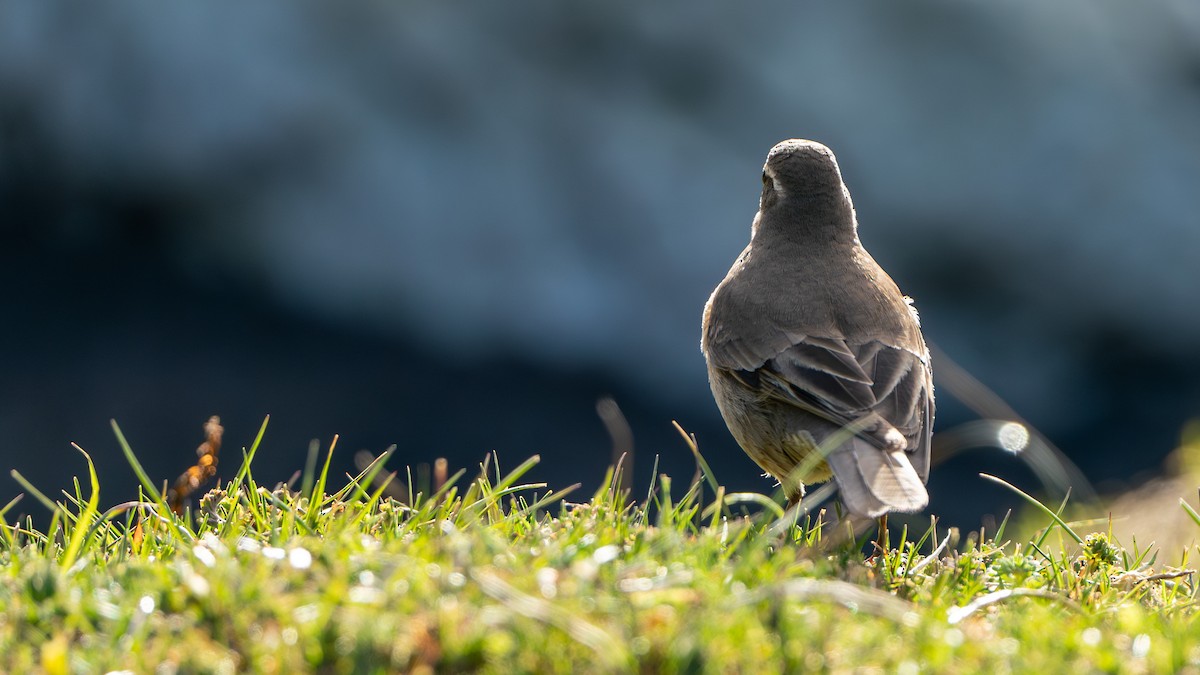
[{"x": 493, "y": 574}]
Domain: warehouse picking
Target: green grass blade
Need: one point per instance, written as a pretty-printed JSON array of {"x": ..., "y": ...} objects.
[
  {"x": 143, "y": 478},
  {"x": 318, "y": 494},
  {"x": 755, "y": 498},
  {"x": 243, "y": 473},
  {"x": 1190, "y": 511},
  {"x": 1036, "y": 504},
  {"x": 37, "y": 494},
  {"x": 82, "y": 524}
]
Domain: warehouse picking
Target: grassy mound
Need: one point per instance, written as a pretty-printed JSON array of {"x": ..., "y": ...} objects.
[{"x": 493, "y": 574}]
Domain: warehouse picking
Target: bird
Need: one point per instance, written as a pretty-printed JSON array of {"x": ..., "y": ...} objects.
[{"x": 815, "y": 358}]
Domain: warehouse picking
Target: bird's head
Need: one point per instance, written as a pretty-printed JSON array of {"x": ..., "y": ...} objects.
[{"x": 801, "y": 170}]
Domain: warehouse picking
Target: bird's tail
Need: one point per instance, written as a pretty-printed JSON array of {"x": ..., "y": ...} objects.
[{"x": 874, "y": 481}]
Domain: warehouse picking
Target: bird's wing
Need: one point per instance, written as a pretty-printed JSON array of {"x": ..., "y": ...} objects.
[
  {"x": 871, "y": 387},
  {"x": 878, "y": 391},
  {"x": 736, "y": 352},
  {"x": 842, "y": 382}
]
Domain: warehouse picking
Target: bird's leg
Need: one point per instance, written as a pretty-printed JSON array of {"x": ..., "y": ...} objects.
[
  {"x": 881, "y": 536},
  {"x": 793, "y": 501},
  {"x": 784, "y": 526}
]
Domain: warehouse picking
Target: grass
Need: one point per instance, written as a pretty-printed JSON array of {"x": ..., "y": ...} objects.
[{"x": 489, "y": 573}]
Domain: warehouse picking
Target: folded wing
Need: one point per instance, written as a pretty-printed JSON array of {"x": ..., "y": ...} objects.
[{"x": 881, "y": 393}]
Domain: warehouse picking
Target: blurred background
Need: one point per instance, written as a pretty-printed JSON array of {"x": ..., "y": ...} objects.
[{"x": 455, "y": 227}]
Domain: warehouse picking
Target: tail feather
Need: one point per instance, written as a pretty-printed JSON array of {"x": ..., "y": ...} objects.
[{"x": 874, "y": 481}]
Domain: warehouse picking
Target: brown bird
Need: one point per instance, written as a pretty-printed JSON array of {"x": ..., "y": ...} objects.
[{"x": 815, "y": 358}]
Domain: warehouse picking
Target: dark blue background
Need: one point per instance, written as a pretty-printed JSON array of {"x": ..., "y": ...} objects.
[{"x": 453, "y": 228}]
